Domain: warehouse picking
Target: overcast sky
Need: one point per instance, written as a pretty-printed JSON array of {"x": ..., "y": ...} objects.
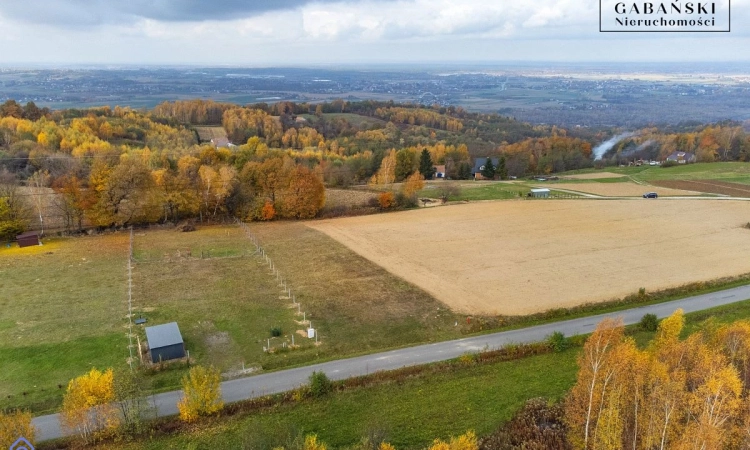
[{"x": 301, "y": 32}]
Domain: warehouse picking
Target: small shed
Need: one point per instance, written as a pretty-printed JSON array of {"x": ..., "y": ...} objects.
[
  {"x": 165, "y": 342},
  {"x": 28, "y": 239},
  {"x": 539, "y": 193}
]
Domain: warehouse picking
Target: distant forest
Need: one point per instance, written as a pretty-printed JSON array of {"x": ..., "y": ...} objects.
[{"x": 119, "y": 166}]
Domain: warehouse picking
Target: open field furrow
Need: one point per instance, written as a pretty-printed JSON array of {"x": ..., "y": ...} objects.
[{"x": 516, "y": 258}]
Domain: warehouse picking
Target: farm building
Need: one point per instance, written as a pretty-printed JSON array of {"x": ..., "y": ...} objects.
[
  {"x": 439, "y": 171},
  {"x": 479, "y": 166},
  {"x": 165, "y": 342},
  {"x": 539, "y": 193},
  {"x": 682, "y": 157},
  {"x": 28, "y": 239}
]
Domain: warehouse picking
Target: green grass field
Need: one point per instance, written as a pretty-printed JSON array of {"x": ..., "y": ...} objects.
[
  {"x": 62, "y": 311},
  {"x": 737, "y": 172},
  {"x": 417, "y": 410},
  {"x": 66, "y": 305}
]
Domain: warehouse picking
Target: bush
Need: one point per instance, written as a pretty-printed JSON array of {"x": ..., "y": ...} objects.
[
  {"x": 404, "y": 201},
  {"x": 202, "y": 394},
  {"x": 320, "y": 384},
  {"x": 276, "y": 331},
  {"x": 538, "y": 425},
  {"x": 668, "y": 163},
  {"x": 14, "y": 425},
  {"x": 557, "y": 341},
  {"x": 649, "y": 322},
  {"x": 386, "y": 200}
]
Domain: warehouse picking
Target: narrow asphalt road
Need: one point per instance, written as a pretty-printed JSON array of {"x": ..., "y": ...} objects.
[{"x": 48, "y": 427}]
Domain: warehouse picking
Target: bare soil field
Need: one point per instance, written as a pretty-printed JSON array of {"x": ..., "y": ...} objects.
[
  {"x": 523, "y": 257},
  {"x": 710, "y": 186},
  {"x": 206, "y": 133},
  {"x": 626, "y": 189},
  {"x": 594, "y": 176},
  {"x": 348, "y": 197}
]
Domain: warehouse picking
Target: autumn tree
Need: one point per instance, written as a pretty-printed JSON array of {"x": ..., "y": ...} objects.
[
  {"x": 673, "y": 394},
  {"x": 87, "y": 406},
  {"x": 413, "y": 184},
  {"x": 13, "y": 210},
  {"x": 588, "y": 397},
  {"x": 304, "y": 196},
  {"x": 14, "y": 425},
  {"x": 125, "y": 194},
  {"x": 201, "y": 394},
  {"x": 386, "y": 174},
  {"x": 73, "y": 200}
]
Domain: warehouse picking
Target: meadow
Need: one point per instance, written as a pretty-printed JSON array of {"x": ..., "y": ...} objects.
[
  {"x": 411, "y": 412},
  {"x": 64, "y": 305}
]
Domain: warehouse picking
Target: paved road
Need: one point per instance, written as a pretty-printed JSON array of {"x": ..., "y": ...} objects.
[{"x": 271, "y": 383}]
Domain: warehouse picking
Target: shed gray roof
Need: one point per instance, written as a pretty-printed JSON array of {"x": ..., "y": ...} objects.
[{"x": 163, "y": 335}]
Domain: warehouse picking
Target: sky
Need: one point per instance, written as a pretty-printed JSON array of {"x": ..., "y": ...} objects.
[{"x": 301, "y": 32}]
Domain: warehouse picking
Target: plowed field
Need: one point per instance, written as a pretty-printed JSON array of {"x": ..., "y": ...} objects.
[
  {"x": 520, "y": 257},
  {"x": 711, "y": 186}
]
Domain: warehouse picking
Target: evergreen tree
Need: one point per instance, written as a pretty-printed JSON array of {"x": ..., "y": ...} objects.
[
  {"x": 426, "y": 168},
  {"x": 488, "y": 170},
  {"x": 464, "y": 171},
  {"x": 502, "y": 170}
]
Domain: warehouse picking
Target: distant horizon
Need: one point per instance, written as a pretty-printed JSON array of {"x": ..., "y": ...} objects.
[{"x": 6, "y": 65}]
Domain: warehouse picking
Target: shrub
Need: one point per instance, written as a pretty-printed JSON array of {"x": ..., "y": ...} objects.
[
  {"x": 405, "y": 201},
  {"x": 649, "y": 322},
  {"x": 557, "y": 341},
  {"x": 538, "y": 425},
  {"x": 202, "y": 393},
  {"x": 268, "y": 212},
  {"x": 320, "y": 384},
  {"x": 14, "y": 425},
  {"x": 87, "y": 406},
  {"x": 276, "y": 331},
  {"x": 386, "y": 200},
  {"x": 668, "y": 163}
]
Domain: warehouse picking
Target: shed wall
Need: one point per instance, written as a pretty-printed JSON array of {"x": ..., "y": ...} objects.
[{"x": 169, "y": 352}]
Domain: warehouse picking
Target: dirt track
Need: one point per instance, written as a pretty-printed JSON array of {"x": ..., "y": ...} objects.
[{"x": 519, "y": 257}]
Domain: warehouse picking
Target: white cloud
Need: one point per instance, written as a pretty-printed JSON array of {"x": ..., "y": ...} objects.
[{"x": 366, "y": 31}]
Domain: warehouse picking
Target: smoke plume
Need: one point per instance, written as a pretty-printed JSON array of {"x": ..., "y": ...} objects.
[{"x": 604, "y": 147}]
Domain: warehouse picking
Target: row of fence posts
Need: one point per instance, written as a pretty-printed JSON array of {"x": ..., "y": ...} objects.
[{"x": 259, "y": 250}]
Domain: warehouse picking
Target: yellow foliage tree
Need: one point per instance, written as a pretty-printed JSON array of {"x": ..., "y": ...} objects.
[
  {"x": 202, "y": 394},
  {"x": 387, "y": 172},
  {"x": 14, "y": 425},
  {"x": 87, "y": 405},
  {"x": 413, "y": 184}
]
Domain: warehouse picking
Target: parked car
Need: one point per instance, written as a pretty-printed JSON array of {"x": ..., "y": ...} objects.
[{"x": 650, "y": 195}]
